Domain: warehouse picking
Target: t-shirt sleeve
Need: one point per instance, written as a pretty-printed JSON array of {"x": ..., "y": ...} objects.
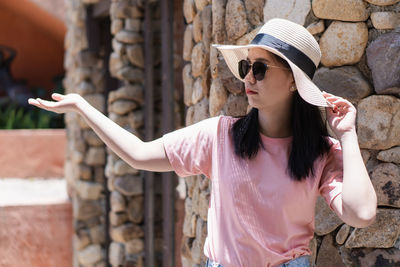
[
  {"x": 332, "y": 175},
  {"x": 189, "y": 149}
]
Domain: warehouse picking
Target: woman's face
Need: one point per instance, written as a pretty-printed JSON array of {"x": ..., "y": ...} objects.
[{"x": 274, "y": 89}]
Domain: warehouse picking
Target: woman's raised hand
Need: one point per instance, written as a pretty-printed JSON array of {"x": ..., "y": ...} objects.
[
  {"x": 342, "y": 117},
  {"x": 64, "y": 103}
]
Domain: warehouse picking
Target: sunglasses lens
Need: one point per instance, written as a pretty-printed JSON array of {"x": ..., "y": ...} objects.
[
  {"x": 243, "y": 68},
  {"x": 259, "y": 70}
]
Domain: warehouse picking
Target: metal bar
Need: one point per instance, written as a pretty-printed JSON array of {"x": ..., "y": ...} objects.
[
  {"x": 167, "y": 82},
  {"x": 110, "y": 84},
  {"x": 178, "y": 32},
  {"x": 149, "y": 135}
]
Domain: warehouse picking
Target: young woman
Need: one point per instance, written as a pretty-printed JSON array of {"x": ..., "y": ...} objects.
[{"x": 266, "y": 168}]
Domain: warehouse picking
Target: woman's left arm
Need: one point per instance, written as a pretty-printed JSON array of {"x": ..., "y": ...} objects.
[{"x": 357, "y": 204}]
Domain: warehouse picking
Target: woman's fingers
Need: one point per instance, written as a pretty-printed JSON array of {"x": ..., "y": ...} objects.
[
  {"x": 335, "y": 99},
  {"x": 33, "y": 101},
  {"x": 61, "y": 103},
  {"x": 325, "y": 94},
  {"x": 57, "y": 96},
  {"x": 340, "y": 103},
  {"x": 337, "y": 102},
  {"x": 330, "y": 97},
  {"x": 40, "y": 103},
  {"x": 43, "y": 103}
]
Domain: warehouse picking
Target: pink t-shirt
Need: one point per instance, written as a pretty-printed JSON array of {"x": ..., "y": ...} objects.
[{"x": 257, "y": 216}]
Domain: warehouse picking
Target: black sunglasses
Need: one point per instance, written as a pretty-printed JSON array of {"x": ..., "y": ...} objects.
[{"x": 259, "y": 69}]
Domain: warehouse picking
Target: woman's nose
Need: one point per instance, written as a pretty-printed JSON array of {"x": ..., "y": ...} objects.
[{"x": 250, "y": 77}]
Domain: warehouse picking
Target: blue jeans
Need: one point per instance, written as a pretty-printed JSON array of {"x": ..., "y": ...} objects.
[{"x": 302, "y": 261}]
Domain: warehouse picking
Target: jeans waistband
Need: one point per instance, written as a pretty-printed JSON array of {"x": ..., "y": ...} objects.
[{"x": 302, "y": 261}]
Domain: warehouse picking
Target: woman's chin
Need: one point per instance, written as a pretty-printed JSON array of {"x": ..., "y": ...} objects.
[{"x": 253, "y": 103}]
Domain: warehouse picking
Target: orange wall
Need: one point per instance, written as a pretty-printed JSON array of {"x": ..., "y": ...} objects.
[{"x": 38, "y": 38}]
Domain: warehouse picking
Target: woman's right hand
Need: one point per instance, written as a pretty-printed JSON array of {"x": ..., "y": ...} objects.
[{"x": 65, "y": 103}]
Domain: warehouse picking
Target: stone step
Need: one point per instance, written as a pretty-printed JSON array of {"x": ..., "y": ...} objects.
[{"x": 35, "y": 223}]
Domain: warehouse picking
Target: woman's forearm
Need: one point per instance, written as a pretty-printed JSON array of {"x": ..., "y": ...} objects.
[
  {"x": 358, "y": 195},
  {"x": 138, "y": 154}
]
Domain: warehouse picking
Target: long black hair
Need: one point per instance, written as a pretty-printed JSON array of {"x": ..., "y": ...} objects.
[{"x": 309, "y": 137}]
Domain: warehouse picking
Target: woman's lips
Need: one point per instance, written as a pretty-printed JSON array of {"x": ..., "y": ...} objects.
[{"x": 250, "y": 92}]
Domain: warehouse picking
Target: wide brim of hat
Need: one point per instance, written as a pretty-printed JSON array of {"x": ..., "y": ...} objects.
[{"x": 307, "y": 89}]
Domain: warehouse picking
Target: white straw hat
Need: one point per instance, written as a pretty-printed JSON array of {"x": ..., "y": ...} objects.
[{"x": 291, "y": 42}]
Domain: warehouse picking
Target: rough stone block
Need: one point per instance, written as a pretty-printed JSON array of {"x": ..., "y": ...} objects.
[
  {"x": 386, "y": 181},
  {"x": 343, "y": 43},
  {"x": 118, "y": 218},
  {"x": 235, "y": 19},
  {"x": 328, "y": 255},
  {"x": 95, "y": 156},
  {"x": 189, "y": 11},
  {"x": 117, "y": 254},
  {"x": 88, "y": 190},
  {"x": 390, "y": 155},
  {"x": 378, "y": 122},
  {"x": 90, "y": 255},
  {"x": 134, "y": 246},
  {"x": 127, "y": 92},
  {"x": 117, "y": 201},
  {"x": 347, "y": 82},
  {"x": 129, "y": 185},
  {"x": 199, "y": 60},
  {"x": 293, "y": 10},
  {"x": 345, "y": 10},
  {"x": 85, "y": 209},
  {"x": 136, "y": 209},
  {"x": 236, "y": 105},
  {"x": 384, "y": 61},
  {"x": 126, "y": 232},
  {"x": 383, "y": 233},
  {"x": 188, "y": 42}
]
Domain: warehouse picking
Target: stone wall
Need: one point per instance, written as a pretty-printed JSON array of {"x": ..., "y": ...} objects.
[
  {"x": 360, "y": 61},
  {"x": 88, "y": 161},
  {"x": 85, "y": 159},
  {"x": 126, "y": 108}
]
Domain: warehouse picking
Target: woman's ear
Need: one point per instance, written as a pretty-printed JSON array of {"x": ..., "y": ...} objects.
[
  {"x": 292, "y": 78},
  {"x": 292, "y": 87}
]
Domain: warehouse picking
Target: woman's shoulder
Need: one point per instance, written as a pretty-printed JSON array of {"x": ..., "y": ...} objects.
[
  {"x": 228, "y": 119},
  {"x": 220, "y": 119},
  {"x": 226, "y": 122},
  {"x": 211, "y": 124}
]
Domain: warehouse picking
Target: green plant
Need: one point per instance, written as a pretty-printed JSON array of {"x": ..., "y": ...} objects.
[
  {"x": 12, "y": 117},
  {"x": 15, "y": 117}
]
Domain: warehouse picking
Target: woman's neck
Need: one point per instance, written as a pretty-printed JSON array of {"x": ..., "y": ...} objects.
[{"x": 275, "y": 122}]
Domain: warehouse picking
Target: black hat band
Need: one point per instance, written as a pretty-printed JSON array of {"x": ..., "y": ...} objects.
[{"x": 292, "y": 53}]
